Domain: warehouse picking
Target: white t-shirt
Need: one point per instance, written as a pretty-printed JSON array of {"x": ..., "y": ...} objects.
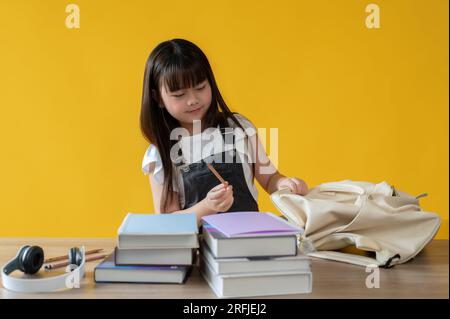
[{"x": 194, "y": 155}]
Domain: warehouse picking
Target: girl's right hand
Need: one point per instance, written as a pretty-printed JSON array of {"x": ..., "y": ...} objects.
[{"x": 220, "y": 198}]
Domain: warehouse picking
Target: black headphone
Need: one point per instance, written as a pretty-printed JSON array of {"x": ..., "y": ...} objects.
[{"x": 29, "y": 259}]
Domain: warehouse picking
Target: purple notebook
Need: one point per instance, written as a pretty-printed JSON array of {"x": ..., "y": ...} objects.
[{"x": 247, "y": 224}]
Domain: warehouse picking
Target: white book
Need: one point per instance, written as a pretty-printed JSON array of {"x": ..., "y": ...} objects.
[
  {"x": 107, "y": 271},
  {"x": 222, "y": 246},
  {"x": 158, "y": 231},
  {"x": 256, "y": 284},
  {"x": 169, "y": 256},
  {"x": 222, "y": 266}
]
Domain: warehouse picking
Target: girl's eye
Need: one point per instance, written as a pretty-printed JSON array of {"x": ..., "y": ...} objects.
[{"x": 198, "y": 89}]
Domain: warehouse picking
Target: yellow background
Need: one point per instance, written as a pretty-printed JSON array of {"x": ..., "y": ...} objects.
[{"x": 350, "y": 102}]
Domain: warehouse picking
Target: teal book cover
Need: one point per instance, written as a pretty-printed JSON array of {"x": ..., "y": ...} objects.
[{"x": 158, "y": 224}]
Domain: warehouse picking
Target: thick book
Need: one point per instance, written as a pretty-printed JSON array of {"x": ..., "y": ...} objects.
[
  {"x": 251, "y": 224},
  {"x": 222, "y": 266},
  {"x": 107, "y": 271},
  {"x": 158, "y": 231},
  {"x": 222, "y": 246},
  {"x": 168, "y": 256},
  {"x": 256, "y": 284}
]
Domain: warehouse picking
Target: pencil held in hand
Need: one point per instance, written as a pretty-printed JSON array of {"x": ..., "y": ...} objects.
[{"x": 212, "y": 169}]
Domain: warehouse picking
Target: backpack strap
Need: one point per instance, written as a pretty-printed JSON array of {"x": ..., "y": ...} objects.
[
  {"x": 345, "y": 258},
  {"x": 354, "y": 259}
]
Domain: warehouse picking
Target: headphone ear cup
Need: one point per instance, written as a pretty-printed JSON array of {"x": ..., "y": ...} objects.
[
  {"x": 75, "y": 257},
  {"x": 21, "y": 251},
  {"x": 20, "y": 255},
  {"x": 16, "y": 263},
  {"x": 31, "y": 259}
]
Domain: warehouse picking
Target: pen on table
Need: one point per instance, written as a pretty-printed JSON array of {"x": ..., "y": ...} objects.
[
  {"x": 89, "y": 252},
  {"x": 66, "y": 263}
]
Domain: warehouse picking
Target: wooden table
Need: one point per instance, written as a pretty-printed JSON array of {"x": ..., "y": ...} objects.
[{"x": 426, "y": 276}]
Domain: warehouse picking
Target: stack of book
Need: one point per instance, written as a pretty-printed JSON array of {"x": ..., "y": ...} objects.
[
  {"x": 152, "y": 248},
  {"x": 247, "y": 254}
]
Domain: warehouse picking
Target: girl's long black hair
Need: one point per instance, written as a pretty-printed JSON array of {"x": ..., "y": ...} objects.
[{"x": 178, "y": 64}]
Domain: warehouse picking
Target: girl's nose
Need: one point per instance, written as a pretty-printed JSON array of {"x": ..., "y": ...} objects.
[
  {"x": 193, "y": 102},
  {"x": 192, "y": 99}
]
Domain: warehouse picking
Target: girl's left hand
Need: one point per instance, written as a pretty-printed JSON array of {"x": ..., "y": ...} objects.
[{"x": 297, "y": 186}]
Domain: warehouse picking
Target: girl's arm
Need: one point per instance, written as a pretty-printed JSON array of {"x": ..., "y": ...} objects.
[
  {"x": 157, "y": 190},
  {"x": 269, "y": 177},
  {"x": 220, "y": 198}
]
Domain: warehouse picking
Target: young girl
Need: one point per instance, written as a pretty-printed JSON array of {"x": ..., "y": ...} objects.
[{"x": 179, "y": 91}]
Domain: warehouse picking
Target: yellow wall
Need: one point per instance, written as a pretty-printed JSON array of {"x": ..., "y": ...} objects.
[{"x": 350, "y": 102}]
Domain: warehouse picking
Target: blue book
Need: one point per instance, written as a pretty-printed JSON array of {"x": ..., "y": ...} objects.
[
  {"x": 158, "y": 231},
  {"x": 108, "y": 271}
]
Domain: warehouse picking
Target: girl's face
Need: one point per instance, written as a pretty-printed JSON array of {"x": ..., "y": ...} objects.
[{"x": 189, "y": 104}]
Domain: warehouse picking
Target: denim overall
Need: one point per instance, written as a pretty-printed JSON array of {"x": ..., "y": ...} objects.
[{"x": 198, "y": 180}]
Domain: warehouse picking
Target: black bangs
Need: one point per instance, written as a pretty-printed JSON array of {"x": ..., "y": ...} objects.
[{"x": 180, "y": 73}]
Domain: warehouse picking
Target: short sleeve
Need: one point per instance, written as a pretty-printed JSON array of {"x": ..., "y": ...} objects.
[
  {"x": 248, "y": 126},
  {"x": 152, "y": 155},
  {"x": 247, "y": 148}
]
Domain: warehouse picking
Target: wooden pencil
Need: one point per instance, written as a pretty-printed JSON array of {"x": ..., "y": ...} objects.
[
  {"x": 51, "y": 266},
  {"x": 89, "y": 252},
  {"x": 213, "y": 170}
]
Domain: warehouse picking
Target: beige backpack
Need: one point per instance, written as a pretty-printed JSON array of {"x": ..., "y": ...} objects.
[{"x": 372, "y": 217}]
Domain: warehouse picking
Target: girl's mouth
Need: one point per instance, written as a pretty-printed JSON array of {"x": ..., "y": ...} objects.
[{"x": 195, "y": 110}]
